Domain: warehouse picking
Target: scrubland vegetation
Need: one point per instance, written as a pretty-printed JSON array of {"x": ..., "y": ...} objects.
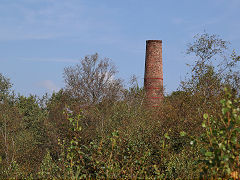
[{"x": 96, "y": 128}]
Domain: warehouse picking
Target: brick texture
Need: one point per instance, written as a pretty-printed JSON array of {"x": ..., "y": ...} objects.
[{"x": 153, "y": 78}]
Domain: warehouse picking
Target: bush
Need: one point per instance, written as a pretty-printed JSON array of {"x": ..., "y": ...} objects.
[{"x": 221, "y": 141}]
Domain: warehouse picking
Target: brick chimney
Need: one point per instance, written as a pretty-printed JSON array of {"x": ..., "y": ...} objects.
[{"x": 153, "y": 78}]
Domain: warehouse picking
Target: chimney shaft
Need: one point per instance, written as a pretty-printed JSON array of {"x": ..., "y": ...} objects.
[{"x": 153, "y": 78}]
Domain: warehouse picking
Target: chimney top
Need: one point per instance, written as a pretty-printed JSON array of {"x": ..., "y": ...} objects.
[{"x": 157, "y": 41}]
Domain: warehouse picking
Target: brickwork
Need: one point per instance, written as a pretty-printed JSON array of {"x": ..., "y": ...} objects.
[{"x": 153, "y": 78}]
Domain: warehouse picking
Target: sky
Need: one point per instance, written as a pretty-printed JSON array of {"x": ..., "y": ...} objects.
[{"x": 39, "y": 38}]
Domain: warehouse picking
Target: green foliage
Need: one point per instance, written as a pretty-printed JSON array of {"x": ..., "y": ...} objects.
[
  {"x": 48, "y": 168},
  {"x": 30, "y": 138},
  {"x": 117, "y": 155},
  {"x": 5, "y": 85},
  {"x": 221, "y": 141},
  {"x": 98, "y": 132},
  {"x": 12, "y": 171}
]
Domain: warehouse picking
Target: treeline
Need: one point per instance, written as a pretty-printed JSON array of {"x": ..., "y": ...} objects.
[{"x": 96, "y": 128}]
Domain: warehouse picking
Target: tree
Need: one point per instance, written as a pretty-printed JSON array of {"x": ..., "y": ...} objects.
[
  {"x": 93, "y": 80},
  {"x": 5, "y": 84},
  {"x": 212, "y": 69}
]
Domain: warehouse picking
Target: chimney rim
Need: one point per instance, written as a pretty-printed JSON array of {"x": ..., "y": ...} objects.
[{"x": 157, "y": 41}]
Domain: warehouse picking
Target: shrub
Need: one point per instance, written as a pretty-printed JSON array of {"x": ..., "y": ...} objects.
[{"x": 221, "y": 140}]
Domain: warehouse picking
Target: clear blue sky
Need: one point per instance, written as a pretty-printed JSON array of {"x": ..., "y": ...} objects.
[{"x": 38, "y": 38}]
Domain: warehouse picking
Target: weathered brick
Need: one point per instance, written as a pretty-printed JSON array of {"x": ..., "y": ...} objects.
[{"x": 153, "y": 78}]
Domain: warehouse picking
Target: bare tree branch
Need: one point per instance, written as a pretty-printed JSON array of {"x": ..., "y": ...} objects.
[{"x": 93, "y": 80}]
